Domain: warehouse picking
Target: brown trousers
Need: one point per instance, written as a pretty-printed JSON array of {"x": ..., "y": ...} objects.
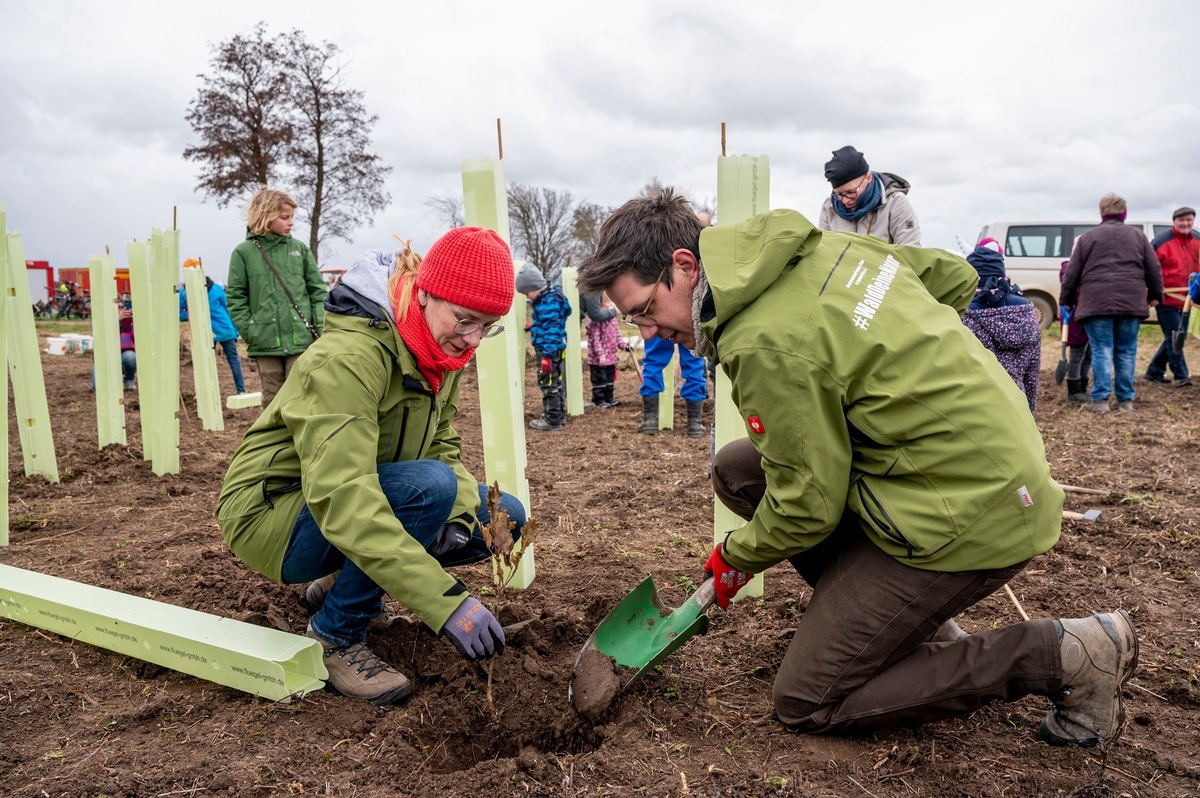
[
  {"x": 272, "y": 371},
  {"x": 861, "y": 659}
]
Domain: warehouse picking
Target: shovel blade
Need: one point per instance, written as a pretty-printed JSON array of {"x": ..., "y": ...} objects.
[
  {"x": 641, "y": 632},
  {"x": 1060, "y": 372}
]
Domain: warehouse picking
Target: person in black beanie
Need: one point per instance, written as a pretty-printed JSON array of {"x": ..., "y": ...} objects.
[{"x": 871, "y": 203}]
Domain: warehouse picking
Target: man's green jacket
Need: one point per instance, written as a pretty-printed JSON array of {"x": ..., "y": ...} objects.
[{"x": 864, "y": 393}]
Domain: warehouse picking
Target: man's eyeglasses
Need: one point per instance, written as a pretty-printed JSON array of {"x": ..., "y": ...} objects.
[
  {"x": 640, "y": 318},
  {"x": 854, "y": 192},
  {"x": 470, "y": 326}
]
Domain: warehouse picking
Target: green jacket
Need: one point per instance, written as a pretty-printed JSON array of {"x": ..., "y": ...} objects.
[
  {"x": 260, "y": 309},
  {"x": 864, "y": 393},
  {"x": 353, "y": 400}
]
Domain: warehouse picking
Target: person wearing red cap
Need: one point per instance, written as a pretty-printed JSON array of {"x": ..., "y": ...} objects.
[
  {"x": 352, "y": 481},
  {"x": 1178, "y": 251}
]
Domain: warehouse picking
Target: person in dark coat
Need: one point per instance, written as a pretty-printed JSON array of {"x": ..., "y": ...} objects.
[{"x": 1113, "y": 279}]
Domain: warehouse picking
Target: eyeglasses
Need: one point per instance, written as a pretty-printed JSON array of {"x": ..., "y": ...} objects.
[
  {"x": 640, "y": 318},
  {"x": 470, "y": 326},
  {"x": 854, "y": 192}
]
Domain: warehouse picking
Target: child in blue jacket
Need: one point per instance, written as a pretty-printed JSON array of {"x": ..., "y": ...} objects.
[{"x": 548, "y": 333}]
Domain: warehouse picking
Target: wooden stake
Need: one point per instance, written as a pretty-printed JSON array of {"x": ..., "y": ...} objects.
[
  {"x": 1092, "y": 491},
  {"x": 499, "y": 139},
  {"x": 722, "y": 139},
  {"x": 1016, "y": 603}
]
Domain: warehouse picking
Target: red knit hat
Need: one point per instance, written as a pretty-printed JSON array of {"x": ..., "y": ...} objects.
[{"x": 471, "y": 267}]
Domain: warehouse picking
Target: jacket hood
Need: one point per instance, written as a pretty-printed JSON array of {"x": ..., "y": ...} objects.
[
  {"x": 741, "y": 260},
  {"x": 363, "y": 289},
  {"x": 265, "y": 237},
  {"x": 893, "y": 183}
]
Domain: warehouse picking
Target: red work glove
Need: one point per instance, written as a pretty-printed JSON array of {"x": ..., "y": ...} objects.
[
  {"x": 545, "y": 364},
  {"x": 727, "y": 580}
]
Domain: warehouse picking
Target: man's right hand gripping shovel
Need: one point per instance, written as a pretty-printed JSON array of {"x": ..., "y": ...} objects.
[{"x": 727, "y": 580}]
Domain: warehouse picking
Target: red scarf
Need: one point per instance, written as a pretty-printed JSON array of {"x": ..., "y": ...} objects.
[{"x": 432, "y": 361}]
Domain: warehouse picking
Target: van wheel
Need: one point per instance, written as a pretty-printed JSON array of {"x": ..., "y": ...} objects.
[{"x": 1044, "y": 308}]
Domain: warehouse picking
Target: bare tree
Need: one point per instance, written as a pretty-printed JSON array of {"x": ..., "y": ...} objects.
[
  {"x": 541, "y": 224},
  {"x": 277, "y": 111},
  {"x": 447, "y": 210},
  {"x": 587, "y": 218},
  {"x": 243, "y": 117},
  {"x": 337, "y": 180}
]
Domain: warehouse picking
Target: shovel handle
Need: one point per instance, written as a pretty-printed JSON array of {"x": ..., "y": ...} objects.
[{"x": 705, "y": 595}]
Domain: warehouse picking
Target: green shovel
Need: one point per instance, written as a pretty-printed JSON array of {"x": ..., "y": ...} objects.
[{"x": 640, "y": 632}]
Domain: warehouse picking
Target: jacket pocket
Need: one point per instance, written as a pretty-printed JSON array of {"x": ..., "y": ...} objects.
[{"x": 864, "y": 503}]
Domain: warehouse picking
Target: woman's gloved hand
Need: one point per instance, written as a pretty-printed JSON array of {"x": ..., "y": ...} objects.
[
  {"x": 474, "y": 631},
  {"x": 453, "y": 537}
]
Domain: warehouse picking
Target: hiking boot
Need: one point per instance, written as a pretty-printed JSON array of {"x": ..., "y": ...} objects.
[
  {"x": 1183, "y": 382},
  {"x": 357, "y": 672},
  {"x": 1096, "y": 407},
  {"x": 542, "y": 425},
  {"x": 948, "y": 632},
  {"x": 1079, "y": 398},
  {"x": 1159, "y": 378},
  {"x": 1099, "y": 655},
  {"x": 649, "y": 425},
  {"x": 315, "y": 593},
  {"x": 1125, "y": 406},
  {"x": 695, "y": 426}
]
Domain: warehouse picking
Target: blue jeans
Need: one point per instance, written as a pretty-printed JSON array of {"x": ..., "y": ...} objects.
[
  {"x": 235, "y": 363},
  {"x": 1114, "y": 350},
  {"x": 128, "y": 368},
  {"x": 658, "y": 356},
  {"x": 422, "y": 494},
  {"x": 1169, "y": 319}
]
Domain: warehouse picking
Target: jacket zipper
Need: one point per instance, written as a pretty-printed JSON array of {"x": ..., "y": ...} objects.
[
  {"x": 879, "y": 516},
  {"x": 413, "y": 384}
]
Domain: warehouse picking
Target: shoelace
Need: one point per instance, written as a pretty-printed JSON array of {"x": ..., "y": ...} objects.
[{"x": 364, "y": 659}]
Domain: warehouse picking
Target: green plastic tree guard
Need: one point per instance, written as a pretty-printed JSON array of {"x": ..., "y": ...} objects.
[
  {"x": 25, "y": 367},
  {"x": 499, "y": 362},
  {"x": 743, "y": 190},
  {"x": 106, "y": 352},
  {"x": 4, "y": 355},
  {"x": 264, "y": 662},
  {"x": 204, "y": 358},
  {"x": 574, "y": 375}
]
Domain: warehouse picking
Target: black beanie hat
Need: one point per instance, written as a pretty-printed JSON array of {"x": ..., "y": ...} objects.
[{"x": 846, "y": 164}]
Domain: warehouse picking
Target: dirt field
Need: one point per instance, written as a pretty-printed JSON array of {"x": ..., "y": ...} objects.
[{"x": 613, "y": 506}]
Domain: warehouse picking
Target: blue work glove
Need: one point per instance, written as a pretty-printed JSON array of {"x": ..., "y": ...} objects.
[
  {"x": 474, "y": 631},
  {"x": 453, "y": 537},
  {"x": 1194, "y": 288},
  {"x": 727, "y": 580}
]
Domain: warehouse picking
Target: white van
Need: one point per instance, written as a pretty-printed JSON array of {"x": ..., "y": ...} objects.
[{"x": 1034, "y": 252}]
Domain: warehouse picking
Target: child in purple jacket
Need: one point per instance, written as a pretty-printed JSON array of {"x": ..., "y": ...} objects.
[{"x": 1004, "y": 321}]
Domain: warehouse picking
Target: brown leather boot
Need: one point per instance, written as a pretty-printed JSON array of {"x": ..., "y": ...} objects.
[
  {"x": 357, "y": 672},
  {"x": 314, "y": 594},
  {"x": 1099, "y": 655}
]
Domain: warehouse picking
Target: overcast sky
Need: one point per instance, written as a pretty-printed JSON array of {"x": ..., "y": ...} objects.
[{"x": 1015, "y": 110}]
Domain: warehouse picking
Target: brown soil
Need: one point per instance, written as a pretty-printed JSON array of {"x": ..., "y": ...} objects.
[{"x": 613, "y": 506}]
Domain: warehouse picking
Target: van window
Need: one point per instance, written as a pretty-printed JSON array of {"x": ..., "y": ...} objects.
[
  {"x": 1159, "y": 229},
  {"x": 1076, "y": 230},
  {"x": 1034, "y": 241}
]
